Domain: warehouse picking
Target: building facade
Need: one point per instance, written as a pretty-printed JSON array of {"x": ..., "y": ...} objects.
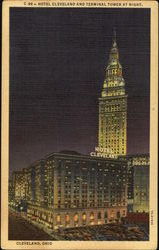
[
  {"x": 75, "y": 190},
  {"x": 19, "y": 185},
  {"x": 138, "y": 182},
  {"x": 140, "y": 165},
  {"x": 113, "y": 108}
]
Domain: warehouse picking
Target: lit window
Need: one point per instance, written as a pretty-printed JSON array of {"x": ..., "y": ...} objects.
[
  {"x": 112, "y": 213},
  {"x": 58, "y": 218},
  {"x": 76, "y": 217},
  {"x": 84, "y": 216},
  {"x": 92, "y": 216},
  {"x": 67, "y": 218}
]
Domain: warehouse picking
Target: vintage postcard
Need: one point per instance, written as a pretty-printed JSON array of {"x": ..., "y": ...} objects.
[{"x": 79, "y": 124}]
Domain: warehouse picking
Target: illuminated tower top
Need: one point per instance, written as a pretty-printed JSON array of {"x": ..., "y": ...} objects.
[
  {"x": 112, "y": 138},
  {"x": 114, "y": 82}
]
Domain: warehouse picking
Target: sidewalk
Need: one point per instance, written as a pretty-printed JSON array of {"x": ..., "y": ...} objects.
[{"x": 50, "y": 232}]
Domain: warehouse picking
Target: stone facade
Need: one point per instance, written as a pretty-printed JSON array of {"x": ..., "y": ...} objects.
[{"x": 64, "y": 218}]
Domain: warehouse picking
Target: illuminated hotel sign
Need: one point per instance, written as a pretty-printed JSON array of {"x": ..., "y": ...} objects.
[{"x": 103, "y": 152}]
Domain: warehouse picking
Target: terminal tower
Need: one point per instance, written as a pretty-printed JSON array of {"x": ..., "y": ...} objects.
[{"x": 112, "y": 137}]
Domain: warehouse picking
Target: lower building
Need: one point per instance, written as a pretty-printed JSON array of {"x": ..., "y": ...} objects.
[
  {"x": 19, "y": 185},
  {"x": 67, "y": 189},
  {"x": 141, "y": 189},
  {"x": 75, "y": 217},
  {"x": 138, "y": 182}
]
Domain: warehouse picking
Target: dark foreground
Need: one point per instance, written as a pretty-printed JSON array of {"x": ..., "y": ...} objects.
[
  {"x": 21, "y": 229},
  {"x": 111, "y": 232}
]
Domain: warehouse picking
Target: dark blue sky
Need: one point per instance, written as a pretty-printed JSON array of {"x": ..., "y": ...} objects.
[{"x": 57, "y": 63}]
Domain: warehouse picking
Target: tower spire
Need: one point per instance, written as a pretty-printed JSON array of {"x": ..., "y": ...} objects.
[
  {"x": 114, "y": 34},
  {"x": 114, "y": 53},
  {"x": 114, "y": 38}
]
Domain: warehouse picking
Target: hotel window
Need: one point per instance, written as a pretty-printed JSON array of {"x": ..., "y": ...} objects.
[
  {"x": 58, "y": 218},
  {"x": 92, "y": 216},
  {"x": 112, "y": 214},
  {"x": 76, "y": 217},
  {"x": 124, "y": 212},
  {"x": 105, "y": 215},
  {"x": 118, "y": 214},
  {"x": 99, "y": 215},
  {"x": 67, "y": 218},
  {"x": 84, "y": 216}
]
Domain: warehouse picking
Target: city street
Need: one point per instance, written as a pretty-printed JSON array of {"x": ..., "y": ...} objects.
[{"x": 20, "y": 229}]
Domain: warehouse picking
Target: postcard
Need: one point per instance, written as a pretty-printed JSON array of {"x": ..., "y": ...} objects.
[{"x": 79, "y": 124}]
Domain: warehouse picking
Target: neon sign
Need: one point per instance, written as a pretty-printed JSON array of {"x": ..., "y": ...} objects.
[{"x": 103, "y": 152}]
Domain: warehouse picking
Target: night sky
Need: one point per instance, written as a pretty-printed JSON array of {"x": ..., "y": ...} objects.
[{"x": 57, "y": 66}]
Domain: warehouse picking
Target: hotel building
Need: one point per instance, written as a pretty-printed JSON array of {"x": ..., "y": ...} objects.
[{"x": 68, "y": 189}]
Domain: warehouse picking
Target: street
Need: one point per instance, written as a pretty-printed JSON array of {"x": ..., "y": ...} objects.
[{"x": 20, "y": 229}]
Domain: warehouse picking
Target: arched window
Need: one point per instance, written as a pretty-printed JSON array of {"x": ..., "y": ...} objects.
[
  {"x": 105, "y": 215},
  {"x": 76, "y": 217},
  {"x": 84, "y": 216},
  {"x": 91, "y": 216},
  {"x": 67, "y": 218},
  {"x": 99, "y": 215},
  {"x": 112, "y": 213},
  {"x": 58, "y": 218}
]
